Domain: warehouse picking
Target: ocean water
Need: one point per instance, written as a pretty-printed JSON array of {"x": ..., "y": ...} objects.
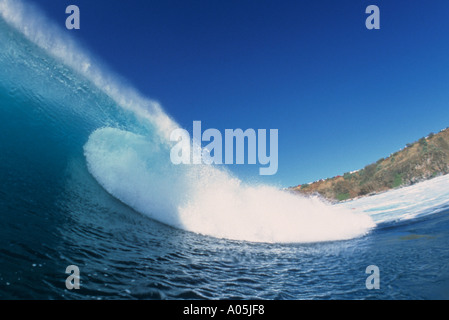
[{"x": 86, "y": 180}]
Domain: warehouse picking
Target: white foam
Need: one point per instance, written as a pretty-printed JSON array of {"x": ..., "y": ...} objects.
[
  {"x": 405, "y": 203},
  {"x": 210, "y": 201}
]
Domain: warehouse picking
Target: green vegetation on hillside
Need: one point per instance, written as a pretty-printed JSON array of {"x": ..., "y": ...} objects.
[{"x": 424, "y": 159}]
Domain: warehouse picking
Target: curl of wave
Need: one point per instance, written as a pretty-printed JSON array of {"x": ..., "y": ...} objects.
[{"x": 133, "y": 163}]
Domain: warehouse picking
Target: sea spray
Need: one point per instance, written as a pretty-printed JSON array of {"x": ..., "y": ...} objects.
[{"x": 208, "y": 200}]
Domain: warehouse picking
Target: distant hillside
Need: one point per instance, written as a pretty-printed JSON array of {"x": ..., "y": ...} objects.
[{"x": 418, "y": 161}]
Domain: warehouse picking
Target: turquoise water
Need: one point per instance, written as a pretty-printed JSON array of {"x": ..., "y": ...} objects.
[{"x": 86, "y": 181}]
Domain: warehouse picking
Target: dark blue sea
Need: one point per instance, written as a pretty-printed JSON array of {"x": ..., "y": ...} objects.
[{"x": 85, "y": 182}]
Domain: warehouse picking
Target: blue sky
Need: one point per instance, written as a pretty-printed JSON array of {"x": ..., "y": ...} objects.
[{"x": 341, "y": 96}]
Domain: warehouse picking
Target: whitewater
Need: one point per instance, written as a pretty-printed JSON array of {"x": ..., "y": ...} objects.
[{"x": 87, "y": 180}]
